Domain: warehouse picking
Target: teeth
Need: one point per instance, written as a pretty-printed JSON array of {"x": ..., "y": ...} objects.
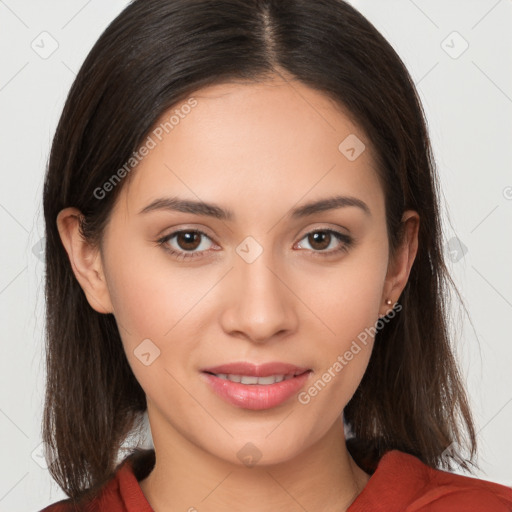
[{"x": 249, "y": 379}]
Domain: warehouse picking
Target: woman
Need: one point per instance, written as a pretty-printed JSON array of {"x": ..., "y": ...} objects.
[{"x": 243, "y": 240}]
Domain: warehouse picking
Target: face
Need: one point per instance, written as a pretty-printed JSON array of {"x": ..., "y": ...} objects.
[{"x": 260, "y": 284}]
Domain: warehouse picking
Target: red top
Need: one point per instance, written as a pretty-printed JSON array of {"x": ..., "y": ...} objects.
[{"x": 401, "y": 482}]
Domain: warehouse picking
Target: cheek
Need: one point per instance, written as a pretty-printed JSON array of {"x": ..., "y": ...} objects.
[
  {"x": 155, "y": 300},
  {"x": 151, "y": 304},
  {"x": 150, "y": 295},
  {"x": 347, "y": 302},
  {"x": 347, "y": 297}
]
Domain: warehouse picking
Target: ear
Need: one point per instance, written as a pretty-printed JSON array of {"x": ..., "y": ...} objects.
[
  {"x": 85, "y": 260},
  {"x": 400, "y": 266}
]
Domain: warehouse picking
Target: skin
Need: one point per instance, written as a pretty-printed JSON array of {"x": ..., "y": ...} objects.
[{"x": 258, "y": 150}]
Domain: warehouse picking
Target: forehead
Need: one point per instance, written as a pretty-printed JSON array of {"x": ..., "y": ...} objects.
[{"x": 254, "y": 143}]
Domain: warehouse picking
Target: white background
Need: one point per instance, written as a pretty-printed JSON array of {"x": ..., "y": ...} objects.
[{"x": 468, "y": 101}]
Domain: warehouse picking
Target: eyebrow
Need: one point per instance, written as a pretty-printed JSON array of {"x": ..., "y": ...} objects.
[{"x": 213, "y": 210}]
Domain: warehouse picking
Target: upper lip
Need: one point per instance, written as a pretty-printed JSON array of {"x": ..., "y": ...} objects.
[{"x": 261, "y": 370}]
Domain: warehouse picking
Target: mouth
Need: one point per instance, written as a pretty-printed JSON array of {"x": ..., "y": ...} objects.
[
  {"x": 252, "y": 380},
  {"x": 256, "y": 387}
]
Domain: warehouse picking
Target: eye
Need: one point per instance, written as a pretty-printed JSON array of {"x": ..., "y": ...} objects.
[
  {"x": 188, "y": 244},
  {"x": 187, "y": 240},
  {"x": 322, "y": 239}
]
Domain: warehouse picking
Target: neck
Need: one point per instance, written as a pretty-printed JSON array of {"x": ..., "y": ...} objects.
[{"x": 185, "y": 477}]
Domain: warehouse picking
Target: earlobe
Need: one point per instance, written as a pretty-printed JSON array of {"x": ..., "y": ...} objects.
[
  {"x": 400, "y": 268},
  {"x": 85, "y": 260}
]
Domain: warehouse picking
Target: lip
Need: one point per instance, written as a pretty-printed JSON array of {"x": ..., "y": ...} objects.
[
  {"x": 256, "y": 396},
  {"x": 253, "y": 370}
]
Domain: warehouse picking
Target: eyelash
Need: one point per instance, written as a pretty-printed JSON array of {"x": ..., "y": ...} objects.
[{"x": 183, "y": 255}]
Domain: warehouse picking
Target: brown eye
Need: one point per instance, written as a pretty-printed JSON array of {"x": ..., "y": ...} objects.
[
  {"x": 321, "y": 239},
  {"x": 188, "y": 240},
  {"x": 185, "y": 244}
]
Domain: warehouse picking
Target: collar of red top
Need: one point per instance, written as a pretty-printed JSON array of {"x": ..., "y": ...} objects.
[{"x": 400, "y": 482}]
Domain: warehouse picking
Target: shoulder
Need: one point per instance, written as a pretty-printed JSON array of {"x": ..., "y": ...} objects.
[
  {"x": 68, "y": 505},
  {"x": 403, "y": 482},
  {"x": 449, "y": 491}
]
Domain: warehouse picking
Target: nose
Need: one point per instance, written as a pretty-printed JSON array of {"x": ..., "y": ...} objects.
[{"x": 261, "y": 307}]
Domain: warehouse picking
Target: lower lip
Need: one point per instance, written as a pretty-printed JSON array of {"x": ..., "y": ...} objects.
[{"x": 256, "y": 396}]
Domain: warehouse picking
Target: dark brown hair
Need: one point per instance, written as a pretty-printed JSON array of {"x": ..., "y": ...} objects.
[{"x": 155, "y": 54}]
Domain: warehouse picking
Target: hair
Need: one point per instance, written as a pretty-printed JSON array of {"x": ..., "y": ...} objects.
[{"x": 154, "y": 55}]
